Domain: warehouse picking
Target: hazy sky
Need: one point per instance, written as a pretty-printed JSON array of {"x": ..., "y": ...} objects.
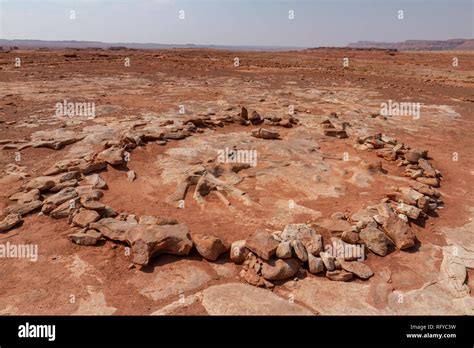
[{"x": 236, "y": 22}]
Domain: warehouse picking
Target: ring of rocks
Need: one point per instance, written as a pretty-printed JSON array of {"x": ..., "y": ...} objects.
[{"x": 265, "y": 256}]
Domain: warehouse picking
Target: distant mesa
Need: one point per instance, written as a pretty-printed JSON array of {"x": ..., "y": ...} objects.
[
  {"x": 408, "y": 45},
  {"x": 418, "y": 45},
  {"x": 96, "y": 45}
]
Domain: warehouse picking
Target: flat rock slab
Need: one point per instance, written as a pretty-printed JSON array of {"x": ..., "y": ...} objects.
[
  {"x": 243, "y": 299},
  {"x": 171, "y": 281},
  {"x": 95, "y": 304},
  {"x": 358, "y": 268},
  {"x": 89, "y": 238},
  {"x": 334, "y": 298},
  {"x": 433, "y": 299},
  {"x": 461, "y": 235},
  {"x": 180, "y": 304}
]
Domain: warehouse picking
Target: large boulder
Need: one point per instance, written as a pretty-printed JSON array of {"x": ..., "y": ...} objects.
[
  {"x": 399, "y": 232},
  {"x": 408, "y": 210},
  {"x": 315, "y": 264},
  {"x": 90, "y": 237},
  {"x": 210, "y": 247},
  {"x": 339, "y": 275},
  {"x": 42, "y": 183},
  {"x": 88, "y": 192},
  {"x": 113, "y": 229},
  {"x": 85, "y": 217},
  {"x": 386, "y": 153},
  {"x": 10, "y": 221},
  {"x": 384, "y": 210},
  {"x": 280, "y": 269},
  {"x": 428, "y": 170},
  {"x": 262, "y": 244},
  {"x": 413, "y": 156},
  {"x": 284, "y": 250},
  {"x": 61, "y": 185},
  {"x": 358, "y": 268},
  {"x": 92, "y": 166},
  {"x": 156, "y": 220},
  {"x": 92, "y": 204},
  {"x": 23, "y": 208},
  {"x": 148, "y": 241},
  {"x": 57, "y": 199},
  {"x": 409, "y": 195},
  {"x": 299, "y": 250},
  {"x": 328, "y": 260},
  {"x": 74, "y": 175},
  {"x": 65, "y": 209},
  {"x": 375, "y": 240},
  {"x": 350, "y": 237},
  {"x": 255, "y": 118},
  {"x": 96, "y": 181},
  {"x": 26, "y": 197},
  {"x": 304, "y": 233},
  {"x": 424, "y": 189},
  {"x": 113, "y": 155},
  {"x": 428, "y": 181}
]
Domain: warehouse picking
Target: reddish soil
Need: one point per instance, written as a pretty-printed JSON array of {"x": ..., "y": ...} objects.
[{"x": 159, "y": 81}]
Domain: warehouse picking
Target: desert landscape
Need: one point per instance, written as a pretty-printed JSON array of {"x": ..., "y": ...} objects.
[{"x": 215, "y": 182}]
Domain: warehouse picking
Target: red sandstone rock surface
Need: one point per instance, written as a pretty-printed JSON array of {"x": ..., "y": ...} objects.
[{"x": 184, "y": 148}]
